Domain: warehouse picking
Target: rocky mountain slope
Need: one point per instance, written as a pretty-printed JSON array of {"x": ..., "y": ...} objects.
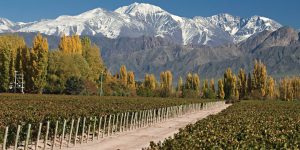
[{"x": 279, "y": 50}]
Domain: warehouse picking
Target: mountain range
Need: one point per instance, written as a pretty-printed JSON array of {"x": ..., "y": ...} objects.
[
  {"x": 148, "y": 39},
  {"x": 140, "y": 19}
]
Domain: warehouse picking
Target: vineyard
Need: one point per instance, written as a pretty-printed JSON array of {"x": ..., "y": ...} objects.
[
  {"x": 24, "y": 109},
  {"x": 245, "y": 125}
]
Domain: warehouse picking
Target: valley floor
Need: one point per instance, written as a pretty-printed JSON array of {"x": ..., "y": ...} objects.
[{"x": 141, "y": 138}]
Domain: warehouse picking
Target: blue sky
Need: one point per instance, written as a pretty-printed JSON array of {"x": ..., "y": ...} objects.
[{"x": 286, "y": 12}]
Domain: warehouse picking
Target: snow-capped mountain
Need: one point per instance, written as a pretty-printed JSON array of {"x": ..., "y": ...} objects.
[
  {"x": 6, "y": 25},
  {"x": 139, "y": 19}
]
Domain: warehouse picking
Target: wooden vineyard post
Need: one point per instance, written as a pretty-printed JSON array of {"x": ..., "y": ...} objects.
[
  {"x": 158, "y": 115},
  {"x": 46, "y": 135},
  {"x": 104, "y": 126},
  {"x": 147, "y": 117},
  {"x": 113, "y": 124},
  {"x": 82, "y": 134},
  {"x": 108, "y": 126},
  {"x": 70, "y": 135},
  {"x": 121, "y": 122},
  {"x": 88, "y": 133},
  {"x": 94, "y": 128},
  {"x": 5, "y": 138},
  {"x": 76, "y": 131},
  {"x": 131, "y": 122},
  {"x": 38, "y": 136},
  {"x": 55, "y": 134},
  {"x": 117, "y": 122},
  {"x": 63, "y": 133},
  {"x": 17, "y": 137},
  {"x": 136, "y": 120},
  {"x": 99, "y": 128},
  {"x": 27, "y": 136},
  {"x": 144, "y": 118},
  {"x": 139, "y": 119},
  {"x": 124, "y": 122}
]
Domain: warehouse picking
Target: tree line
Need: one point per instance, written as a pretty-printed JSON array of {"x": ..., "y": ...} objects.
[{"x": 76, "y": 67}]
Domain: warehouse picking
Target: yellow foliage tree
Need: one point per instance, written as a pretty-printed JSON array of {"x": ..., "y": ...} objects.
[
  {"x": 70, "y": 44},
  {"x": 260, "y": 77},
  {"x": 221, "y": 93},
  {"x": 270, "y": 91},
  {"x": 39, "y": 63},
  {"x": 131, "y": 80},
  {"x": 150, "y": 81},
  {"x": 123, "y": 74}
]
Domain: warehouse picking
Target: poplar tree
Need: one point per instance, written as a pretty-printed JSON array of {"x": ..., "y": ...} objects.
[
  {"x": 242, "y": 83},
  {"x": 212, "y": 85},
  {"x": 9, "y": 45},
  {"x": 196, "y": 82},
  {"x": 260, "y": 78},
  {"x": 5, "y": 55},
  {"x": 270, "y": 91},
  {"x": 150, "y": 82},
  {"x": 205, "y": 87},
  {"x": 39, "y": 63},
  {"x": 166, "y": 80},
  {"x": 131, "y": 80},
  {"x": 228, "y": 79},
  {"x": 70, "y": 44},
  {"x": 179, "y": 84},
  {"x": 123, "y": 74},
  {"x": 221, "y": 93},
  {"x": 189, "y": 81}
]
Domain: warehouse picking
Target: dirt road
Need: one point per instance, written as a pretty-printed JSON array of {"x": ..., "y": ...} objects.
[{"x": 140, "y": 138}]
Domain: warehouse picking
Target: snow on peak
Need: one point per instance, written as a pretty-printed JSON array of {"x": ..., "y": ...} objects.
[
  {"x": 142, "y": 8},
  {"x": 4, "y": 21}
]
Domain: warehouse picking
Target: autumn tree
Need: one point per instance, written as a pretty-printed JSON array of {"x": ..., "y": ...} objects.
[
  {"x": 150, "y": 81},
  {"x": 221, "y": 93},
  {"x": 189, "y": 81},
  {"x": 166, "y": 80},
  {"x": 9, "y": 46},
  {"x": 39, "y": 63},
  {"x": 260, "y": 78},
  {"x": 131, "y": 80},
  {"x": 212, "y": 85},
  {"x": 179, "y": 84},
  {"x": 196, "y": 82},
  {"x": 191, "y": 87},
  {"x": 230, "y": 88},
  {"x": 242, "y": 83},
  {"x": 70, "y": 44},
  {"x": 123, "y": 74},
  {"x": 270, "y": 90},
  {"x": 205, "y": 87},
  {"x": 289, "y": 88}
]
